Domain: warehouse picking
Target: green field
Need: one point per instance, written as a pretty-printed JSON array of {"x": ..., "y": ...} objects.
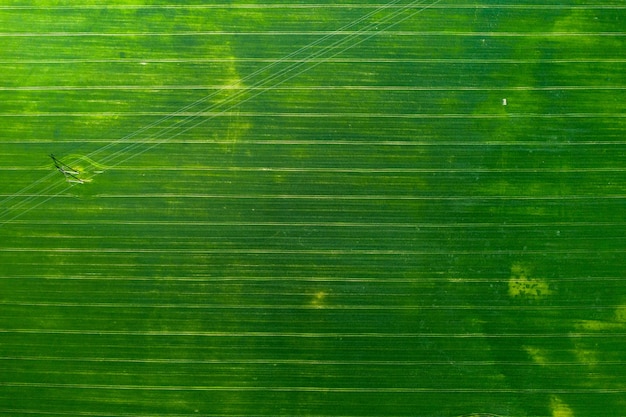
[{"x": 338, "y": 208}]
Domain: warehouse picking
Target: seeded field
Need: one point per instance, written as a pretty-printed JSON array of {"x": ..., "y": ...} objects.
[{"x": 339, "y": 208}]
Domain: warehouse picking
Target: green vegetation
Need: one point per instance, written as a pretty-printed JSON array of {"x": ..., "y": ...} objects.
[{"x": 318, "y": 209}]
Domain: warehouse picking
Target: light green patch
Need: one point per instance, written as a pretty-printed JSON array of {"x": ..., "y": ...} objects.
[
  {"x": 616, "y": 323},
  {"x": 598, "y": 325},
  {"x": 620, "y": 314},
  {"x": 560, "y": 408},
  {"x": 318, "y": 299},
  {"x": 586, "y": 356},
  {"x": 536, "y": 354},
  {"x": 521, "y": 285}
]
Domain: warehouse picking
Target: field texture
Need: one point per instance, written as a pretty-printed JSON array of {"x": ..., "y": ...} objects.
[{"x": 338, "y": 208}]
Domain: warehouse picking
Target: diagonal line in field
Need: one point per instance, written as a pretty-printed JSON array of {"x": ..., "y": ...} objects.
[
  {"x": 248, "y": 77},
  {"x": 232, "y": 102},
  {"x": 6, "y": 216}
]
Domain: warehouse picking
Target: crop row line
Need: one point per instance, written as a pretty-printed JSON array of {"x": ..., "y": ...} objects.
[
  {"x": 336, "y": 170},
  {"x": 350, "y": 6},
  {"x": 350, "y": 33},
  {"x": 315, "y": 335},
  {"x": 329, "y": 252},
  {"x": 314, "y": 88},
  {"x": 312, "y": 362},
  {"x": 338, "y": 224},
  {"x": 348, "y": 60},
  {"x": 374, "y": 197},
  {"x": 43, "y": 385},
  {"x": 210, "y": 280},
  {"x": 328, "y": 306},
  {"x": 211, "y": 115},
  {"x": 552, "y": 145}
]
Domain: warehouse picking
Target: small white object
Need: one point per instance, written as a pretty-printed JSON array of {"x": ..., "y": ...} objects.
[{"x": 504, "y": 102}]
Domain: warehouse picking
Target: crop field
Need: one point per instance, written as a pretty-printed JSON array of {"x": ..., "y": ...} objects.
[{"x": 329, "y": 208}]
